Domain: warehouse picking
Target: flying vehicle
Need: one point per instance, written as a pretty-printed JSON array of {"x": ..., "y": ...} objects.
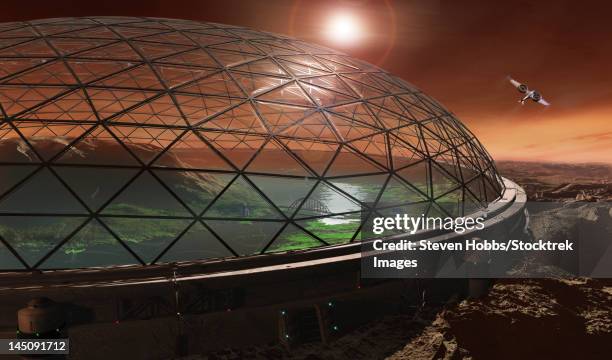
[{"x": 529, "y": 94}]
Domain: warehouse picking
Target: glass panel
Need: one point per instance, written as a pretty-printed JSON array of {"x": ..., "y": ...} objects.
[
  {"x": 285, "y": 193},
  {"x": 92, "y": 246},
  {"x": 293, "y": 238},
  {"x": 397, "y": 193},
  {"x": 32, "y": 237},
  {"x": 418, "y": 176},
  {"x": 42, "y": 193},
  {"x": 290, "y": 94},
  {"x": 98, "y": 147},
  {"x": 136, "y": 199},
  {"x": 335, "y": 229},
  {"x": 325, "y": 200},
  {"x": 190, "y": 152},
  {"x": 362, "y": 188},
  {"x": 197, "y": 189},
  {"x": 95, "y": 185},
  {"x": 196, "y": 244},
  {"x": 218, "y": 84},
  {"x": 245, "y": 237},
  {"x": 242, "y": 201},
  {"x": 274, "y": 159},
  {"x": 8, "y": 261},
  {"x": 146, "y": 237},
  {"x": 160, "y": 111}
]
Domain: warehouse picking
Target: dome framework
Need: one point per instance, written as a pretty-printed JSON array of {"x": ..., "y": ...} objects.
[{"x": 142, "y": 141}]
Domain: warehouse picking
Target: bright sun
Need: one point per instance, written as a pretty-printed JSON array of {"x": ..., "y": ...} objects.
[{"x": 343, "y": 29}]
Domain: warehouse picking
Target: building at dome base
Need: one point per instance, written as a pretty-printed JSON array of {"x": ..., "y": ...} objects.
[{"x": 132, "y": 141}]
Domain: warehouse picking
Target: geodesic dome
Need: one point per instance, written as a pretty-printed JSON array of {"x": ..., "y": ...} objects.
[{"x": 140, "y": 141}]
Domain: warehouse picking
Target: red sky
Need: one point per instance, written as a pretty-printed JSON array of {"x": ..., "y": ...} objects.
[{"x": 458, "y": 52}]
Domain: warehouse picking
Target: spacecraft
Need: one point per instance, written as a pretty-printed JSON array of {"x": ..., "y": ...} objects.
[{"x": 529, "y": 94}]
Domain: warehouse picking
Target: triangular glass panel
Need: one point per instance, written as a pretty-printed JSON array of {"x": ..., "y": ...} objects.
[
  {"x": 357, "y": 112},
  {"x": 153, "y": 51},
  {"x": 115, "y": 51},
  {"x": 13, "y": 149},
  {"x": 62, "y": 29},
  {"x": 98, "y": 32},
  {"x": 98, "y": 147},
  {"x": 293, "y": 238},
  {"x": 196, "y": 188},
  {"x": 109, "y": 102},
  {"x": 190, "y": 152},
  {"x": 364, "y": 91},
  {"x": 11, "y": 175},
  {"x": 402, "y": 154},
  {"x": 374, "y": 147},
  {"x": 391, "y": 119},
  {"x": 230, "y": 58},
  {"x": 255, "y": 84},
  {"x": 66, "y": 46},
  {"x": 197, "y": 57},
  {"x": 350, "y": 129},
  {"x": 136, "y": 199},
  {"x": 336, "y": 63},
  {"x": 12, "y": 66},
  {"x": 286, "y": 193},
  {"x": 362, "y": 188},
  {"x": 238, "y": 148},
  {"x": 32, "y": 237},
  {"x": 159, "y": 111},
  {"x": 147, "y": 237},
  {"x": 245, "y": 237},
  {"x": 241, "y": 201},
  {"x": 92, "y": 246},
  {"x": 397, "y": 193},
  {"x": 72, "y": 107},
  {"x": 174, "y": 76},
  {"x": 452, "y": 202},
  {"x": 305, "y": 60},
  {"x": 196, "y": 244},
  {"x": 301, "y": 70},
  {"x": 263, "y": 66},
  {"x": 88, "y": 71},
  {"x": 275, "y": 47},
  {"x": 16, "y": 99},
  {"x": 348, "y": 162},
  {"x": 32, "y": 48},
  {"x": 132, "y": 32},
  {"x": 95, "y": 185},
  {"x": 274, "y": 159},
  {"x": 168, "y": 38},
  {"x": 198, "y": 108},
  {"x": 41, "y": 193},
  {"x": 314, "y": 126},
  {"x": 204, "y": 39},
  {"x": 52, "y": 73},
  {"x": 242, "y": 118},
  {"x": 141, "y": 77},
  {"x": 218, "y": 84},
  {"x": 49, "y": 139},
  {"x": 316, "y": 154},
  {"x": 331, "y": 83},
  {"x": 290, "y": 93},
  {"x": 325, "y": 200},
  {"x": 414, "y": 107},
  {"x": 238, "y": 46},
  {"x": 333, "y": 230},
  {"x": 417, "y": 175},
  {"x": 279, "y": 116},
  {"x": 8, "y": 261}
]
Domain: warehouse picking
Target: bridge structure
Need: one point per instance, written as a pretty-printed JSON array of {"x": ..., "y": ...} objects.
[{"x": 313, "y": 205}]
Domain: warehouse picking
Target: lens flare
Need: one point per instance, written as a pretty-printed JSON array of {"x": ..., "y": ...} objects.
[{"x": 344, "y": 29}]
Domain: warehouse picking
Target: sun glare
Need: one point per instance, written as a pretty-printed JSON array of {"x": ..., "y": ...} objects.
[{"x": 344, "y": 29}]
